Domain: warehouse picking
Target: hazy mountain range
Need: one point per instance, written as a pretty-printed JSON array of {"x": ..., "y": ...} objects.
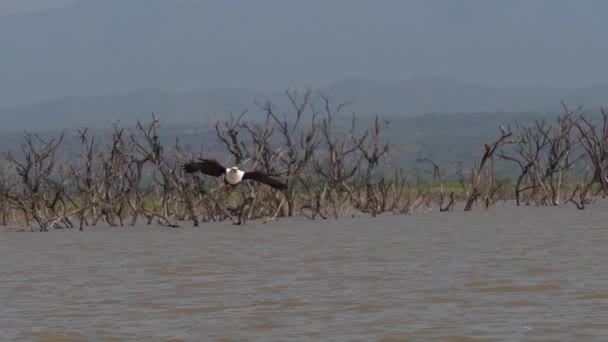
[
  {"x": 90, "y": 62},
  {"x": 94, "y": 47},
  {"x": 399, "y": 99}
]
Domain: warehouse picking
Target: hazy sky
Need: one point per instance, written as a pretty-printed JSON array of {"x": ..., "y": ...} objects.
[
  {"x": 102, "y": 46},
  {"x": 22, "y": 6}
]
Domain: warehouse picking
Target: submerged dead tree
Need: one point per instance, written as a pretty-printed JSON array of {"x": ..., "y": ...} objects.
[
  {"x": 335, "y": 163},
  {"x": 483, "y": 178},
  {"x": 372, "y": 148},
  {"x": 85, "y": 180},
  {"x": 560, "y": 157},
  {"x": 594, "y": 139},
  {"x": 530, "y": 149},
  {"x": 546, "y": 155},
  {"x": 150, "y": 149},
  {"x": 7, "y": 194},
  {"x": 249, "y": 144},
  {"x": 44, "y": 197},
  {"x": 120, "y": 174},
  {"x": 439, "y": 176},
  {"x": 298, "y": 138}
]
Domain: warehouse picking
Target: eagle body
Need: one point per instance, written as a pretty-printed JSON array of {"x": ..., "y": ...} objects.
[{"x": 233, "y": 176}]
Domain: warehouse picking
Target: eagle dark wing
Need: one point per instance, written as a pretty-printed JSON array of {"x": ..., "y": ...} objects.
[
  {"x": 207, "y": 166},
  {"x": 264, "y": 178}
]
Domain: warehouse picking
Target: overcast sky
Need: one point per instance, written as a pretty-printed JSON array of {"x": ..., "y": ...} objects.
[
  {"x": 22, "y": 6},
  {"x": 104, "y": 46}
]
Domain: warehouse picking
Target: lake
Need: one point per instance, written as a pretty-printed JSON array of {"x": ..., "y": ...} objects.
[{"x": 509, "y": 273}]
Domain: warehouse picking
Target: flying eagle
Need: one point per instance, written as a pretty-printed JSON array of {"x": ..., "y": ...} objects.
[{"x": 232, "y": 176}]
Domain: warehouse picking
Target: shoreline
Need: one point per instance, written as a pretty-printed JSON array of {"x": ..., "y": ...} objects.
[{"x": 495, "y": 210}]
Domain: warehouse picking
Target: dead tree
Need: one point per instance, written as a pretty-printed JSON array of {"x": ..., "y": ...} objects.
[
  {"x": 531, "y": 144},
  {"x": 416, "y": 196},
  {"x": 190, "y": 192},
  {"x": 43, "y": 183},
  {"x": 372, "y": 150},
  {"x": 229, "y": 136},
  {"x": 262, "y": 156},
  {"x": 114, "y": 186},
  {"x": 86, "y": 180},
  {"x": 171, "y": 178},
  {"x": 594, "y": 140},
  {"x": 249, "y": 142},
  {"x": 391, "y": 189},
  {"x": 580, "y": 196},
  {"x": 335, "y": 163},
  {"x": 559, "y": 160},
  {"x": 298, "y": 140},
  {"x": 438, "y": 175},
  {"x": 482, "y": 177},
  {"x": 282, "y": 146},
  {"x": 311, "y": 197},
  {"x": 7, "y": 191}
]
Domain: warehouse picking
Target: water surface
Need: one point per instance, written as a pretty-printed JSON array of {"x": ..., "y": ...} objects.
[{"x": 507, "y": 273}]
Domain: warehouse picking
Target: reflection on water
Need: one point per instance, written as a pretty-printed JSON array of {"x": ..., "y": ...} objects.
[{"x": 509, "y": 273}]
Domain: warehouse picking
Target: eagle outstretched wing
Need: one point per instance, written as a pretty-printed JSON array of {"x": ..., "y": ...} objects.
[
  {"x": 207, "y": 166},
  {"x": 264, "y": 178}
]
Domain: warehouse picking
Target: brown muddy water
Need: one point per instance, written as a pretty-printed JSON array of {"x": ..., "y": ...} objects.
[{"x": 506, "y": 274}]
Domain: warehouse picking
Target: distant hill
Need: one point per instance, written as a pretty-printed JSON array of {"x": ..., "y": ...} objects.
[
  {"x": 96, "y": 47},
  {"x": 101, "y": 111},
  {"x": 397, "y": 99}
]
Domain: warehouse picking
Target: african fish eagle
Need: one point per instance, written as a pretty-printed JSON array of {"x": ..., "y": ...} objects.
[{"x": 232, "y": 176}]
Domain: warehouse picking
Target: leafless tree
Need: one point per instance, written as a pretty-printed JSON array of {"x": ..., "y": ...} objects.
[
  {"x": 86, "y": 179},
  {"x": 166, "y": 174},
  {"x": 299, "y": 140},
  {"x": 439, "y": 175},
  {"x": 249, "y": 142},
  {"x": 336, "y": 162},
  {"x": 228, "y": 133},
  {"x": 562, "y": 142},
  {"x": 483, "y": 182},
  {"x": 594, "y": 140},
  {"x": 115, "y": 187},
  {"x": 7, "y": 193},
  {"x": 531, "y": 144},
  {"x": 44, "y": 195},
  {"x": 372, "y": 148}
]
